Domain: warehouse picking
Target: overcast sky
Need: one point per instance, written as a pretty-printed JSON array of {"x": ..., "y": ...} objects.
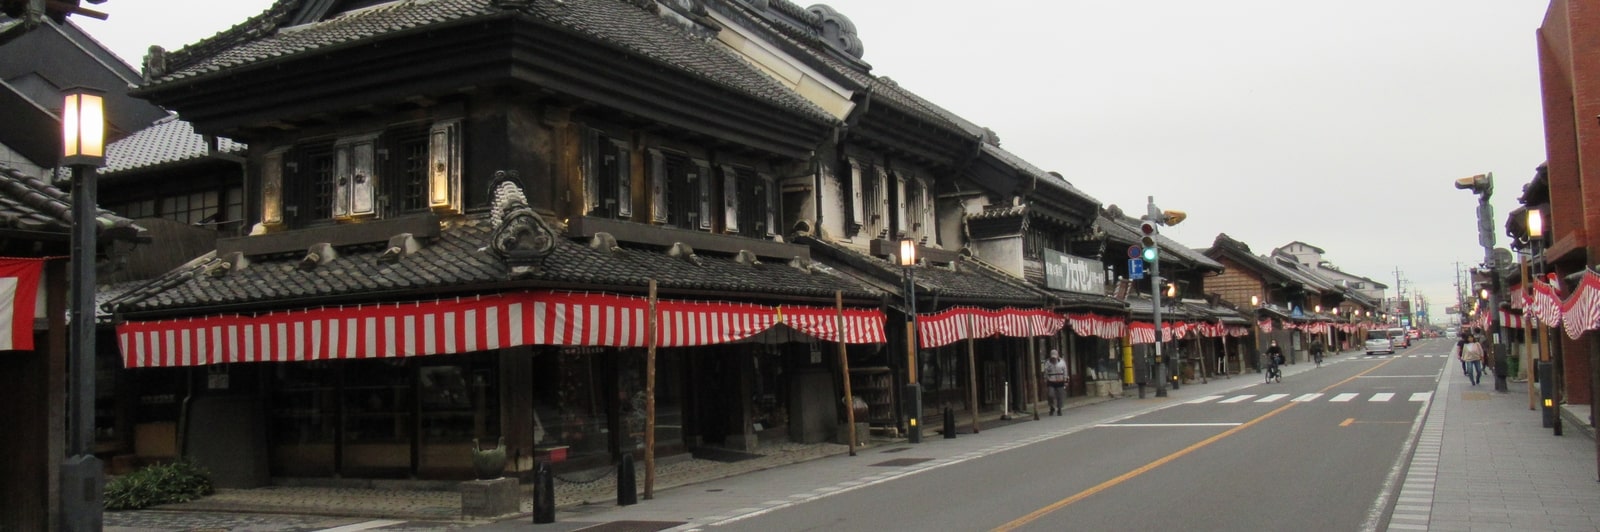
[{"x": 1338, "y": 124}]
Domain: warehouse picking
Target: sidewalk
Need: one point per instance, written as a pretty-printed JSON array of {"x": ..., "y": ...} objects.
[
  {"x": 397, "y": 501},
  {"x": 1483, "y": 461}
]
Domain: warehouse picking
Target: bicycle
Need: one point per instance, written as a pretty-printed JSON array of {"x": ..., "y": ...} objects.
[{"x": 1274, "y": 374}]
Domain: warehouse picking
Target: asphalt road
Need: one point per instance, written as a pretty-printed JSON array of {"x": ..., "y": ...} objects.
[{"x": 1317, "y": 451}]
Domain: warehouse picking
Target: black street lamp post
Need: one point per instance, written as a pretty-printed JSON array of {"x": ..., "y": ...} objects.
[
  {"x": 1545, "y": 371},
  {"x": 83, "y": 150}
]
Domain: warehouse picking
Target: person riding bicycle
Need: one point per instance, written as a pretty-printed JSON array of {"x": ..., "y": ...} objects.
[
  {"x": 1274, "y": 360},
  {"x": 1316, "y": 351}
]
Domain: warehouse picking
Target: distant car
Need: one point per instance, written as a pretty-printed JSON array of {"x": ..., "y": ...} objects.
[
  {"x": 1398, "y": 338},
  {"x": 1450, "y": 333},
  {"x": 1378, "y": 342}
]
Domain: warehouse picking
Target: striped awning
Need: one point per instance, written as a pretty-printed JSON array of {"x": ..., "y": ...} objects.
[
  {"x": 464, "y": 325},
  {"x": 1096, "y": 325},
  {"x": 1144, "y": 332},
  {"x": 1581, "y": 310},
  {"x": 961, "y": 323}
]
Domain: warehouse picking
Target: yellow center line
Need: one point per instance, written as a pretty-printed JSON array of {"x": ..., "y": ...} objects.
[
  {"x": 1063, "y": 503},
  {"x": 1348, "y": 421}
]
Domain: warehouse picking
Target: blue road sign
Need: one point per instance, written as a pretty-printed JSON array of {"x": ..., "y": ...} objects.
[{"x": 1135, "y": 269}]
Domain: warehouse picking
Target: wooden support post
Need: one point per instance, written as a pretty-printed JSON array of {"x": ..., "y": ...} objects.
[
  {"x": 972, "y": 373},
  {"x": 1033, "y": 379},
  {"x": 844, "y": 367},
  {"x": 650, "y": 399}
]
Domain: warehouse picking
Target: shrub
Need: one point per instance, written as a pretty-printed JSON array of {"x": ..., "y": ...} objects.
[{"x": 179, "y": 481}]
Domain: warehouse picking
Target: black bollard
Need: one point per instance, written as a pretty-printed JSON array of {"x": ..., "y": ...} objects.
[
  {"x": 627, "y": 494},
  {"x": 949, "y": 423},
  {"x": 544, "y": 495}
]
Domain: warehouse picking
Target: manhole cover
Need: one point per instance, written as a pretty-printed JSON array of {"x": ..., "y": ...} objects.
[
  {"x": 631, "y": 526},
  {"x": 901, "y": 462}
]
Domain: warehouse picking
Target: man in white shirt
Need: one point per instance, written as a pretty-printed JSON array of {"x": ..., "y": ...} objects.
[{"x": 1055, "y": 375}]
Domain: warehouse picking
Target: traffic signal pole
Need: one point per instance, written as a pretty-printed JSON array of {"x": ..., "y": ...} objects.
[
  {"x": 1483, "y": 186},
  {"x": 1152, "y": 219}
]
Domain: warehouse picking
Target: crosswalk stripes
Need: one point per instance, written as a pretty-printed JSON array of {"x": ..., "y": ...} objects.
[{"x": 1379, "y": 397}]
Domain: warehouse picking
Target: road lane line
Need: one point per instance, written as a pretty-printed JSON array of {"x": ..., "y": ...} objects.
[
  {"x": 1343, "y": 397},
  {"x": 1168, "y": 425},
  {"x": 1381, "y": 397},
  {"x": 1203, "y": 399},
  {"x": 1401, "y": 376},
  {"x": 1306, "y": 397},
  {"x": 365, "y": 525},
  {"x": 1237, "y": 398},
  {"x": 1063, "y": 503},
  {"x": 1272, "y": 398}
]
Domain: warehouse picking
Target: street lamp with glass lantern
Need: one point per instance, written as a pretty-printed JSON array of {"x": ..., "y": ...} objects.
[
  {"x": 1255, "y": 327},
  {"x": 1546, "y": 367},
  {"x": 913, "y": 399},
  {"x": 82, "y": 150}
]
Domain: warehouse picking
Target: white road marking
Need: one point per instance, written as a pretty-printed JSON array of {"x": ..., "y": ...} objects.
[
  {"x": 364, "y": 525},
  {"x": 1271, "y": 398},
  {"x": 1306, "y": 397},
  {"x": 1169, "y": 424},
  {"x": 1421, "y": 396},
  {"x": 1381, "y": 397},
  {"x": 1343, "y": 397},
  {"x": 1199, "y": 400},
  {"x": 1237, "y": 398}
]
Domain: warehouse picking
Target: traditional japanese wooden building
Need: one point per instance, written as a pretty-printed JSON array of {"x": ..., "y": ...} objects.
[{"x": 498, "y": 183}]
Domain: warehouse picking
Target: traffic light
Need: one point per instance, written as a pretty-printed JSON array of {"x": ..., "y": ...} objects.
[
  {"x": 1148, "y": 241},
  {"x": 1478, "y": 184}
]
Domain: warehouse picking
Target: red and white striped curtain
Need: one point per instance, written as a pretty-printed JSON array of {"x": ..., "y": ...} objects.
[
  {"x": 1545, "y": 302},
  {"x": 862, "y": 326},
  {"x": 1581, "y": 310},
  {"x": 1144, "y": 332},
  {"x": 1264, "y": 325},
  {"x": 1237, "y": 331},
  {"x": 1097, "y": 325},
  {"x": 459, "y": 325},
  {"x": 960, "y": 323}
]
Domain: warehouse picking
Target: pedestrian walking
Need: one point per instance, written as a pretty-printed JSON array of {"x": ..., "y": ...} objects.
[
  {"x": 1055, "y": 375},
  {"x": 1471, "y": 353}
]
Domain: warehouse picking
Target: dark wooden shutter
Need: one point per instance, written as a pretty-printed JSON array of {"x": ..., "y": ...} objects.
[
  {"x": 589, "y": 164},
  {"x": 730, "y": 199},
  {"x": 702, "y": 169},
  {"x": 658, "y": 186},
  {"x": 623, "y": 168},
  {"x": 769, "y": 197}
]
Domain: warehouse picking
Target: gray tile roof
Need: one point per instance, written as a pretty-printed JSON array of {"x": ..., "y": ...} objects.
[
  {"x": 166, "y": 142},
  {"x": 964, "y": 281},
  {"x": 457, "y": 262},
  {"x": 260, "y": 41},
  {"x": 1045, "y": 177},
  {"x": 30, "y": 204}
]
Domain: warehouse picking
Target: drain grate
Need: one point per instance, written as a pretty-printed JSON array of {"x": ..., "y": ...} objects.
[
  {"x": 901, "y": 462},
  {"x": 631, "y": 526}
]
